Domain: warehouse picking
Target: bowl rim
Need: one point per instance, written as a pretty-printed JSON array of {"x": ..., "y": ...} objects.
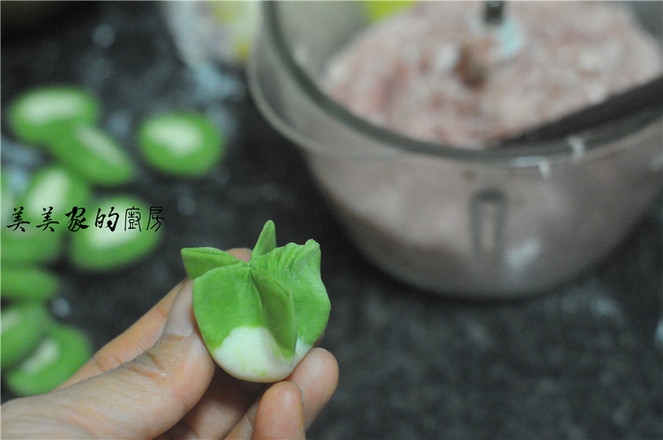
[{"x": 599, "y": 138}]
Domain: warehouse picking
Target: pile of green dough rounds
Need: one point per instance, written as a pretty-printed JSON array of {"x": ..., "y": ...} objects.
[{"x": 86, "y": 168}]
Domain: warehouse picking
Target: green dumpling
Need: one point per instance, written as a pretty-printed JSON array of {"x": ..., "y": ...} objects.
[{"x": 259, "y": 318}]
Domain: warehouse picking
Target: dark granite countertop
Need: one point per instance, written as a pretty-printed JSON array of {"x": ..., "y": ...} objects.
[{"x": 583, "y": 361}]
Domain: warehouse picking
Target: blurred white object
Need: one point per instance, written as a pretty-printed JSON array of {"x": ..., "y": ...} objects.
[{"x": 211, "y": 30}]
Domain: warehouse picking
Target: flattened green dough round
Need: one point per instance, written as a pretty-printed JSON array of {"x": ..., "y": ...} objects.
[
  {"x": 28, "y": 283},
  {"x": 30, "y": 247},
  {"x": 23, "y": 326},
  {"x": 59, "y": 355},
  {"x": 41, "y": 242},
  {"x": 92, "y": 154},
  {"x": 181, "y": 144},
  {"x": 56, "y": 189},
  {"x": 98, "y": 248},
  {"x": 35, "y": 114}
]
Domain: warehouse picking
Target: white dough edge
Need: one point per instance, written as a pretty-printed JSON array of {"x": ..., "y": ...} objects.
[{"x": 252, "y": 354}]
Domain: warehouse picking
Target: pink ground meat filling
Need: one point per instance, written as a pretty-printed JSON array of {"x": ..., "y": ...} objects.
[{"x": 410, "y": 72}]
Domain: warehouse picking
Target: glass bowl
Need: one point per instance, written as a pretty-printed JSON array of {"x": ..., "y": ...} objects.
[{"x": 493, "y": 223}]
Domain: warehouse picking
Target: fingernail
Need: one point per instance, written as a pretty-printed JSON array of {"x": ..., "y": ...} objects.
[
  {"x": 180, "y": 319},
  {"x": 301, "y": 393}
]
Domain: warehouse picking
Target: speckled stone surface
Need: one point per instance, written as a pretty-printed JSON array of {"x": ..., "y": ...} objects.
[{"x": 579, "y": 362}]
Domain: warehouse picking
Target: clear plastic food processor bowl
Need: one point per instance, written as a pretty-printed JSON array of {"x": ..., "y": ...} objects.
[{"x": 473, "y": 223}]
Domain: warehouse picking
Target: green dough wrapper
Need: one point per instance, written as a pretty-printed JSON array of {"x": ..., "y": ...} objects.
[
  {"x": 58, "y": 356},
  {"x": 35, "y": 114},
  {"x": 23, "y": 326},
  {"x": 181, "y": 144},
  {"x": 100, "y": 249},
  {"x": 57, "y": 188},
  {"x": 7, "y": 199},
  {"x": 28, "y": 283},
  {"x": 298, "y": 267},
  {"x": 199, "y": 260},
  {"x": 92, "y": 154},
  {"x": 30, "y": 247},
  {"x": 50, "y": 187},
  {"x": 259, "y": 318}
]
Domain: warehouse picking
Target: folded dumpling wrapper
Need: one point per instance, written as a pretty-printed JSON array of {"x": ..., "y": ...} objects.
[{"x": 259, "y": 318}]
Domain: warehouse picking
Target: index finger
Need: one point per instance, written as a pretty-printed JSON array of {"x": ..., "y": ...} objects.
[
  {"x": 132, "y": 342},
  {"x": 137, "y": 338}
]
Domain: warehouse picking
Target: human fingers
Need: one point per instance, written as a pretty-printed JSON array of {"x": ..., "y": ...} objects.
[
  {"x": 224, "y": 403},
  {"x": 316, "y": 377},
  {"x": 241, "y": 253},
  {"x": 139, "y": 399},
  {"x": 132, "y": 342},
  {"x": 280, "y": 414},
  {"x": 137, "y": 338}
]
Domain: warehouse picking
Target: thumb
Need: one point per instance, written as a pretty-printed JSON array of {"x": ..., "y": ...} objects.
[
  {"x": 141, "y": 398},
  {"x": 280, "y": 414}
]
